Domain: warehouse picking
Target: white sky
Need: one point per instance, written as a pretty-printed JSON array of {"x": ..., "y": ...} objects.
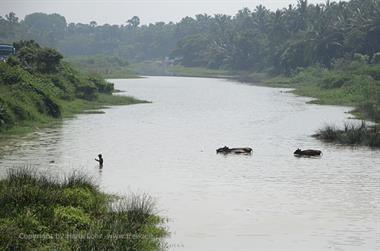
[{"x": 149, "y": 11}]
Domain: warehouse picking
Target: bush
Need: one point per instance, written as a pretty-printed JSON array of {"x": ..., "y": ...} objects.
[
  {"x": 351, "y": 135},
  {"x": 332, "y": 81},
  {"x": 73, "y": 206},
  {"x": 36, "y": 59},
  {"x": 376, "y": 58},
  {"x": 9, "y": 75},
  {"x": 48, "y": 60},
  {"x": 361, "y": 58},
  {"x": 70, "y": 219},
  {"x": 102, "y": 85}
]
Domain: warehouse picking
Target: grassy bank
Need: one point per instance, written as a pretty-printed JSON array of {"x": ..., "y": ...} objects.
[
  {"x": 37, "y": 89},
  {"x": 158, "y": 68},
  {"x": 351, "y": 135},
  {"x": 69, "y": 110},
  {"x": 178, "y": 70},
  {"x": 354, "y": 84},
  {"x": 44, "y": 213},
  {"x": 103, "y": 66}
]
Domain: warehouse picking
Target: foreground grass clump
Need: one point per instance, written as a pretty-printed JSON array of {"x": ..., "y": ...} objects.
[
  {"x": 351, "y": 135},
  {"x": 44, "y": 213}
]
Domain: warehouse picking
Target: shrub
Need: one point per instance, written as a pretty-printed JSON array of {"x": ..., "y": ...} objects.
[
  {"x": 48, "y": 60},
  {"x": 361, "y": 58},
  {"x": 102, "y": 85},
  {"x": 70, "y": 219},
  {"x": 351, "y": 134},
  {"x": 336, "y": 80},
  {"x": 376, "y": 58},
  {"x": 79, "y": 197},
  {"x": 9, "y": 75},
  {"x": 38, "y": 205}
]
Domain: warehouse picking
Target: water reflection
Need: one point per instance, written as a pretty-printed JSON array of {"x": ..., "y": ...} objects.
[{"x": 269, "y": 200}]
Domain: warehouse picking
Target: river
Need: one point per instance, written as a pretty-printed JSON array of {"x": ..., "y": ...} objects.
[{"x": 270, "y": 200}]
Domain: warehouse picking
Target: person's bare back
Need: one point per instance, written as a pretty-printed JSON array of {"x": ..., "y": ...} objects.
[{"x": 100, "y": 160}]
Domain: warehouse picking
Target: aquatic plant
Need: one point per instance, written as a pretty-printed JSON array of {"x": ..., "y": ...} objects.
[{"x": 351, "y": 134}]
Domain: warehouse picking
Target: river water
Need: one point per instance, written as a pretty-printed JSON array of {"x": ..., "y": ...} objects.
[{"x": 270, "y": 200}]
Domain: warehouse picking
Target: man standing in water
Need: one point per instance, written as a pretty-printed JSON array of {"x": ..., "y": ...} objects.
[{"x": 100, "y": 160}]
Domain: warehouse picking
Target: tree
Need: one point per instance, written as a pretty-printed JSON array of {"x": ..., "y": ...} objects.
[
  {"x": 11, "y": 18},
  {"x": 134, "y": 22},
  {"x": 46, "y": 29}
]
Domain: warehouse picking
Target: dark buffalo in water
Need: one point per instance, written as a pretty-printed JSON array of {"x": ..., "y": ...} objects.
[
  {"x": 308, "y": 152},
  {"x": 240, "y": 150}
]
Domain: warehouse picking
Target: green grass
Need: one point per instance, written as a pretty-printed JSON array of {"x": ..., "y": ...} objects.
[
  {"x": 49, "y": 213},
  {"x": 352, "y": 84},
  {"x": 70, "y": 109},
  {"x": 355, "y": 84},
  {"x": 178, "y": 70},
  {"x": 103, "y": 66},
  {"x": 150, "y": 68},
  {"x": 157, "y": 68},
  {"x": 351, "y": 135}
]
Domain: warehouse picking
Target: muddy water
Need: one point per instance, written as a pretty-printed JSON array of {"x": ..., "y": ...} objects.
[{"x": 267, "y": 201}]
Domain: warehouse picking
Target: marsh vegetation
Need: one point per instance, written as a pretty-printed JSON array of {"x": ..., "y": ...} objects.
[
  {"x": 351, "y": 134},
  {"x": 71, "y": 213}
]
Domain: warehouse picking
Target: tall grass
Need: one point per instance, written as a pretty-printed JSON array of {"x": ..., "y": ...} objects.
[
  {"x": 47, "y": 213},
  {"x": 351, "y": 134}
]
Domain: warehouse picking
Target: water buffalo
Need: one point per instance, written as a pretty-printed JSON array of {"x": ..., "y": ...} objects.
[
  {"x": 308, "y": 152},
  {"x": 241, "y": 150}
]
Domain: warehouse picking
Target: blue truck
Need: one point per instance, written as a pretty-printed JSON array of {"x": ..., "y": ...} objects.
[{"x": 6, "y": 51}]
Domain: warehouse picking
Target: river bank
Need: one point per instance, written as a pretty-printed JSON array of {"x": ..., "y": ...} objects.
[
  {"x": 70, "y": 109},
  {"x": 71, "y": 213},
  {"x": 103, "y": 66},
  {"x": 355, "y": 84},
  {"x": 160, "y": 68},
  {"x": 269, "y": 190},
  {"x": 352, "y": 84},
  {"x": 38, "y": 89}
]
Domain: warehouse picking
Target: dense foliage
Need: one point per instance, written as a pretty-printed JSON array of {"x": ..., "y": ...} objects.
[
  {"x": 284, "y": 40},
  {"x": 280, "y": 41},
  {"x": 44, "y": 213},
  {"x": 332, "y": 49},
  {"x": 34, "y": 83}
]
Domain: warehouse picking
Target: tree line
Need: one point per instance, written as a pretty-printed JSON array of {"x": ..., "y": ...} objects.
[{"x": 280, "y": 41}]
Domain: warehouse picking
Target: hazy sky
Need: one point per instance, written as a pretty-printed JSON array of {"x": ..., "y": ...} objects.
[{"x": 118, "y": 11}]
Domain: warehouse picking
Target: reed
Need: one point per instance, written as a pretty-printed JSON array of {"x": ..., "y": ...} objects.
[
  {"x": 351, "y": 134},
  {"x": 71, "y": 213}
]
